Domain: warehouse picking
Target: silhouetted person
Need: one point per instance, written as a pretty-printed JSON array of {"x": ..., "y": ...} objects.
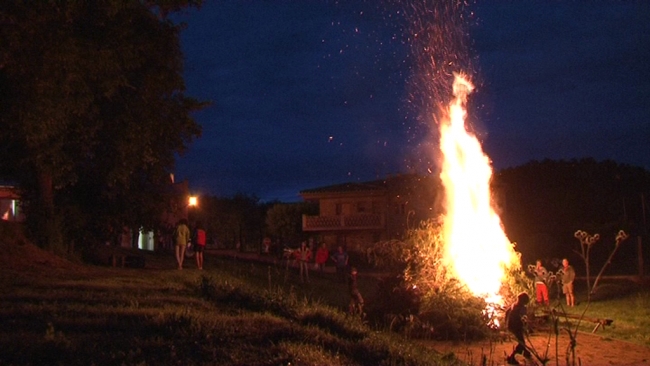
[
  {"x": 322, "y": 254},
  {"x": 340, "y": 258},
  {"x": 199, "y": 244},
  {"x": 356, "y": 300},
  {"x": 181, "y": 238},
  {"x": 515, "y": 321},
  {"x": 303, "y": 254}
]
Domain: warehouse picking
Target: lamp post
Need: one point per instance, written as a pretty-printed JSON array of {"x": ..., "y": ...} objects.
[{"x": 192, "y": 202}]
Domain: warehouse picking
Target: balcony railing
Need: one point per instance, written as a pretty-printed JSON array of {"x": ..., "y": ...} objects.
[{"x": 342, "y": 222}]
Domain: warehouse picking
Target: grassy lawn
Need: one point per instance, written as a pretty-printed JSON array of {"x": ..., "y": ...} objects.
[
  {"x": 231, "y": 313},
  {"x": 626, "y": 304}
]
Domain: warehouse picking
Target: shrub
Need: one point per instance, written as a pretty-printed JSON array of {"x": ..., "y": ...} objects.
[{"x": 432, "y": 302}]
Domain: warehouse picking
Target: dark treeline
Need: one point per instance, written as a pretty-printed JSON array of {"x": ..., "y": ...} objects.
[
  {"x": 242, "y": 220},
  {"x": 542, "y": 204},
  {"x": 545, "y": 203}
]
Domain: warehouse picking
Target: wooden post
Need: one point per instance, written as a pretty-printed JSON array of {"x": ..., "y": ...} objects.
[{"x": 640, "y": 256}]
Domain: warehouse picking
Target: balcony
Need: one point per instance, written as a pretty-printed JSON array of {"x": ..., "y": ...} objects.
[{"x": 343, "y": 222}]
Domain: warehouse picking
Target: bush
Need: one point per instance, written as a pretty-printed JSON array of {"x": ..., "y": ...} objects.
[{"x": 431, "y": 302}]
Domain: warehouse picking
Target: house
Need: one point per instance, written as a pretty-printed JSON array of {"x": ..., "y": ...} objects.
[
  {"x": 10, "y": 209},
  {"x": 356, "y": 215}
]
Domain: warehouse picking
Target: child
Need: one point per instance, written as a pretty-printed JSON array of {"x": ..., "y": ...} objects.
[
  {"x": 199, "y": 244},
  {"x": 515, "y": 319},
  {"x": 541, "y": 290},
  {"x": 356, "y": 300},
  {"x": 322, "y": 254},
  {"x": 303, "y": 254}
]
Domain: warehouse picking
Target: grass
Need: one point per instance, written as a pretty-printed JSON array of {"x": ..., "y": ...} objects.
[
  {"x": 625, "y": 303},
  {"x": 229, "y": 314},
  {"x": 232, "y": 313}
]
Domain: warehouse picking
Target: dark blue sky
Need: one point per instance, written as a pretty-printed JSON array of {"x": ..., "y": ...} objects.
[{"x": 312, "y": 93}]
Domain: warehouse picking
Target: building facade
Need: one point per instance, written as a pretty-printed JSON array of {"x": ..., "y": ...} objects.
[
  {"x": 356, "y": 215},
  {"x": 10, "y": 209}
]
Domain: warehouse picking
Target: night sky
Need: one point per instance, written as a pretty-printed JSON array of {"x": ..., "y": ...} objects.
[{"x": 311, "y": 93}]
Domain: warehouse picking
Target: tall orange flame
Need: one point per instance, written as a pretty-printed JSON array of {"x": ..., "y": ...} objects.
[{"x": 477, "y": 251}]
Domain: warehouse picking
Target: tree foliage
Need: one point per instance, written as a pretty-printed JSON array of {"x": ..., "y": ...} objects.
[
  {"x": 93, "y": 111},
  {"x": 547, "y": 201},
  {"x": 284, "y": 220},
  {"x": 232, "y": 220},
  {"x": 433, "y": 302}
]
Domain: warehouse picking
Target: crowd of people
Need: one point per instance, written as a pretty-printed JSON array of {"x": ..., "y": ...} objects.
[
  {"x": 307, "y": 255},
  {"x": 543, "y": 278},
  {"x": 185, "y": 239},
  {"x": 516, "y": 314},
  {"x": 194, "y": 239}
]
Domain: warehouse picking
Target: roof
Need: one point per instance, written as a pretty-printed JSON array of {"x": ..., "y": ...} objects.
[
  {"x": 370, "y": 186},
  {"x": 9, "y": 192},
  {"x": 348, "y": 187}
]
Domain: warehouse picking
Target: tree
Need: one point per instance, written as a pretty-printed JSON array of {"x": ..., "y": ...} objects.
[
  {"x": 232, "y": 220},
  {"x": 284, "y": 220},
  {"x": 93, "y": 111},
  {"x": 547, "y": 201}
]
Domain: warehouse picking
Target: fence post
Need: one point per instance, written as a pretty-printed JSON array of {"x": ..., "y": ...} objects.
[{"x": 640, "y": 256}]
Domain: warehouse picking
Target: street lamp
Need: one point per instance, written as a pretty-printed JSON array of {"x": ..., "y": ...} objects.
[{"x": 192, "y": 203}]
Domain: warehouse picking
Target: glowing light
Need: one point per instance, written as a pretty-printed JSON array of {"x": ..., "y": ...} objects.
[
  {"x": 193, "y": 201},
  {"x": 477, "y": 251}
]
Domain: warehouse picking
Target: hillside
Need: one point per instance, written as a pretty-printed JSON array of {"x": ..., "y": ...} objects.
[{"x": 54, "y": 311}]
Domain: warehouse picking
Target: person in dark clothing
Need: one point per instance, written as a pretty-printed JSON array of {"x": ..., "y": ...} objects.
[
  {"x": 515, "y": 321},
  {"x": 340, "y": 258},
  {"x": 356, "y": 300},
  {"x": 199, "y": 241}
]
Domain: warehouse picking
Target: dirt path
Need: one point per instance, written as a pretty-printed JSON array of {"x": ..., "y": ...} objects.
[{"x": 591, "y": 350}]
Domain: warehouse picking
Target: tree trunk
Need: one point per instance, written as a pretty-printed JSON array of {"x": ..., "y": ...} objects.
[
  {"x": 46, "y": 192},
  {"x": 49, "y": 228}
]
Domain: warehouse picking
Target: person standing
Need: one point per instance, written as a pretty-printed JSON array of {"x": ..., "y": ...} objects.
[
  {"x": 322, "y": 254},
  {"x": 340, "y": 259},
  {"x": 356, "y": 300},
  {"x": 541, "y": 289},
  {"x": 303, "y": 255},
  {"x": 199, "y": 244},
  {"x": 515, "y": 322},
  {"x": 266, "y": 246},
  {"x": 181, "y": 238},
  {"x": 568, "y": 276}
]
